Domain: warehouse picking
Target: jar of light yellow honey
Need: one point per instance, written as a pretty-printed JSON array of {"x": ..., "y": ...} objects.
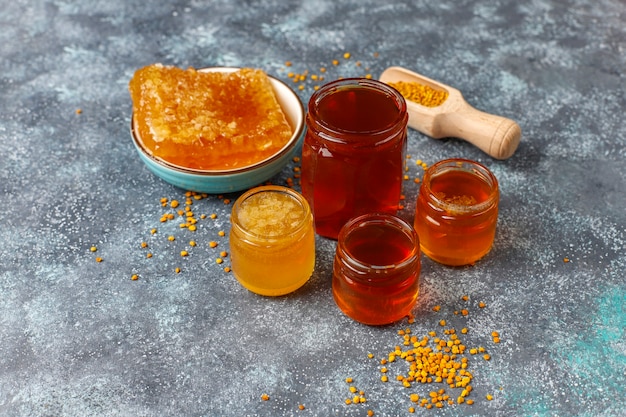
[{"x": 272, "y": 240}]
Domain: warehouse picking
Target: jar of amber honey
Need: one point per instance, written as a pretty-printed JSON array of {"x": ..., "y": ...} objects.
[
  {"x": 353, "y": 154},
  {"x": 457, "y": 211},
  {"x": 272, "y": 240},
  {"x": 376, "y": 269}
]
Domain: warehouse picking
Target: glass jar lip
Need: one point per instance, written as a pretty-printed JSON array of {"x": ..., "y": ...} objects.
[
  {"x": 379, "y": 218},
  {"x": 477, "y": 169},
  {"x": 333, "y": 133},
  {"x": 274, "y": 189}
]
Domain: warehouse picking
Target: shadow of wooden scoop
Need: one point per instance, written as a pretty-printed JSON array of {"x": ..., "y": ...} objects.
[{"x": 495, "y": 135}]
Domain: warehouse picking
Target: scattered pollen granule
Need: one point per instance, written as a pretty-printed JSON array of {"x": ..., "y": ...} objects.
[
  {"x": 432, "y": 359},
  {"x": 336, "y": 70},
  {"x": 182, "y": 208}
]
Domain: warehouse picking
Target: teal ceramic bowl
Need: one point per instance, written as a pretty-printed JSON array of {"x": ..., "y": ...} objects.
[{"x": 225, "y": 181}]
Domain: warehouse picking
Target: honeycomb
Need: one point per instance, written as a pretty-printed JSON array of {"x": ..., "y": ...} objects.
[{"x": 207, "y": 120}]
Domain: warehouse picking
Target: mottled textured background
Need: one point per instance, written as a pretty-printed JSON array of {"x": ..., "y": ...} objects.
[{"x": 80, "y": 338}]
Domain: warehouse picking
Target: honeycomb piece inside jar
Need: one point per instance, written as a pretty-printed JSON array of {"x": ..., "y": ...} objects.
[{"x": 207, "y": 120}]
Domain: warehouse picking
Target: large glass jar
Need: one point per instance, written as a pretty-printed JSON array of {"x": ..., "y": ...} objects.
[
  {"x": 353, "y": 155},
  {"x": 457, "y": 211},
  {"x": 272, "y": 240},
  {"x": 376, "y": 269}
]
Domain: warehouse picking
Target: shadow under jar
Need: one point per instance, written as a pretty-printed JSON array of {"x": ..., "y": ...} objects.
[
  {"x": 457, "y": 211},
  {"x": 353, "y": 155},
  {"x": 272, "y": 240},
  {"x": 376, "y": 269}
]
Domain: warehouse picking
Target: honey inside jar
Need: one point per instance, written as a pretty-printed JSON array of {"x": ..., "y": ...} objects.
[
  {"x": 457, "y": 211},
  {"x": 353, "y": 154},
  {"x": 376, "y": 269},
  {"x": 272, "y": 240},
  {"x": 208, "y": 120}
]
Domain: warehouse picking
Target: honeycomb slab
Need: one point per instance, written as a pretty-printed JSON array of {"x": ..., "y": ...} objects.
[{"x": 207, "y": 120}]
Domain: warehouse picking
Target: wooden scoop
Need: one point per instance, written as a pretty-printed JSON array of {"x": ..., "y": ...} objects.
[{"x": 495, "y": 135}]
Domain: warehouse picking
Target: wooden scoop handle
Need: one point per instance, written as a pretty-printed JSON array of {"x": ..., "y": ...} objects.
[{"x": 495, "y": 135}]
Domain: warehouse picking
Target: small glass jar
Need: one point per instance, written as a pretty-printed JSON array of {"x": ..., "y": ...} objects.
[
  {"x": 272, "y": 240},
  {"x": 457, "y": 211},
  {"x": 353, "y": 156},
  {"x": 376, "y": 269}
]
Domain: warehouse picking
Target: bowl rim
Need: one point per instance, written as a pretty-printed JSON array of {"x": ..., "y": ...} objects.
[{"x": 293, "y": 140}]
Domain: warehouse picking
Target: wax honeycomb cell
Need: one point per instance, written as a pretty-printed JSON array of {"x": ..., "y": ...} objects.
[
  {"x": 207, "y": 120},
  {"x": 271, "y": 214}
]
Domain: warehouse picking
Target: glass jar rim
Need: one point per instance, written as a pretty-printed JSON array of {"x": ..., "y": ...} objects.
[
  {"x": 272, "y": 189},
  {"x": 333, "y": 133},
  {"x": 379, "y": 218},
  {"x": 476, "y": 168}
]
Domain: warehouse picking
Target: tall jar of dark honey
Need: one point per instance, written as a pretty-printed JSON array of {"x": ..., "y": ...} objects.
[
  {"x": 376, "y": 269},
  {"x": 457, "y": 211},
  {"x": 353, "y": 154}
]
